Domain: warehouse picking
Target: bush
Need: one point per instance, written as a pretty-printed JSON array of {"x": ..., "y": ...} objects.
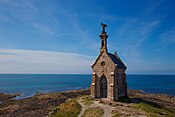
[{"x": 71, "y": 108}]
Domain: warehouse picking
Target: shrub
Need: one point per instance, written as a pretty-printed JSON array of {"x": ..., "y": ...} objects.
[{"x": 71, "y": 108}]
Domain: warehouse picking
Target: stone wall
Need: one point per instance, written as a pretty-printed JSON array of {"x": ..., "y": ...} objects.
[
  {"x": 116, "y": 78},
  {"x": 105, "y": 70}
]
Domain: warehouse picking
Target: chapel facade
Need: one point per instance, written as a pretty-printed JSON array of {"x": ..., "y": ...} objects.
[{"x": 108, "y": 76}]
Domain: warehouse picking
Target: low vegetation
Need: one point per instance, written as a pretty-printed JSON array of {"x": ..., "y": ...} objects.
[
  {"x": 150, "y": 105},
  {"x": 70, "y": 108},
  {"x": 5, "y": 97},
  {"x": 154, "y": 110},
  {"x": 93, "y": 112},
  {"x": 87, "y": 100}
]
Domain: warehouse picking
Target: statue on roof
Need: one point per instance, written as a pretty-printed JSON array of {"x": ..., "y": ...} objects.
[{"x": 103, "y": 27}]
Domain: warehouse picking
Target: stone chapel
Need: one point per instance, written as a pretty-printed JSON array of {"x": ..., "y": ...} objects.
[{"x": 108, "y": 76}]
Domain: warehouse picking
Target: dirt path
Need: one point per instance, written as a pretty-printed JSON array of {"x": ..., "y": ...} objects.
[
  {"x": 83, "y": 107},
  {"x": 106, "y": 108}
]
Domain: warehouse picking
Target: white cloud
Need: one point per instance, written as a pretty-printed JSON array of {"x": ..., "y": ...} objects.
[
  {"x": 3, "y": 18},
  {"x": 165, "y": 40},
  {"x": 44, "y": 29},
  {"x": 40, "y": 19},
  {"x": 30, "y": 61},
  {"x": 132, "y": 34},
  {"x": 136, "y": 31},
  {"x": 168, "y": 37},
  {"x": 152, "y": 6}
]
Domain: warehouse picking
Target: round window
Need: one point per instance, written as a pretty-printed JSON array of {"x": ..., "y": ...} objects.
[{"x": 102, "y": 63}]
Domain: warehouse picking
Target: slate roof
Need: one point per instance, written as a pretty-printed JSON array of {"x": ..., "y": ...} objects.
[{"x": 117, "y": 60}]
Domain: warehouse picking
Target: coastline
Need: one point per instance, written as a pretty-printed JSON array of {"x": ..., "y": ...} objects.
[
  {"x": 37, "y": 105},
  {"x": 8, "y": 96},
  {"x": 43, "y": 103}
]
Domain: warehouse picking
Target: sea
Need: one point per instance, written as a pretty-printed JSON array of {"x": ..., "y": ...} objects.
[{"x": 30, "y": 84}]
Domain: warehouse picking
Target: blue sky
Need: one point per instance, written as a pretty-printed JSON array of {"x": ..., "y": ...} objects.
[{"x": 61, "y": 36}]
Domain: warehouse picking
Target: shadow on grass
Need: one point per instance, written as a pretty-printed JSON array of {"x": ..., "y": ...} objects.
[
  {"x": 148, "y": 106},
  {"x": 126, "y": 99}
]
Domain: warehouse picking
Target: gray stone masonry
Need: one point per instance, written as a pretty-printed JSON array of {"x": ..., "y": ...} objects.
[{"x": 108, "y": 73}]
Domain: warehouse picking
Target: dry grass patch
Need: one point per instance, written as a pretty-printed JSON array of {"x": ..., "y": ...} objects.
[
  {"x": 70, "y": 108},
  {"x": 93, "y": 112},
  {"x": 154, "y": 110},
  {"x": 87, "y": 100}
]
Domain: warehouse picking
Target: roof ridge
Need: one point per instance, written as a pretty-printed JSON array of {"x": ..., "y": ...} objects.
[{"x": 118, "y": 61}]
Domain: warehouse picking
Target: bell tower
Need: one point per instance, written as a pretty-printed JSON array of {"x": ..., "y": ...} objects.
[
  {"x": 108, "y": 73},
  {"x": 103, "y": 37}
]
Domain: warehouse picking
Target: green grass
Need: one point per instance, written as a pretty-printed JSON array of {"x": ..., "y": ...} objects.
[
  {"x": 154, "y": 110},
  {"x": 93, "y": 112},
  {"x": 86, "y": 100},
  {"x": 70, "y": 108}
]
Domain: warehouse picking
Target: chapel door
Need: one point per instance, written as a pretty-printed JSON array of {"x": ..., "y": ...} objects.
[{"x": 103, "y": 87}]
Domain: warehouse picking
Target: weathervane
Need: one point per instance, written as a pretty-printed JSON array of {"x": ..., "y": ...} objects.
[{"x": 103, "y": 27}]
